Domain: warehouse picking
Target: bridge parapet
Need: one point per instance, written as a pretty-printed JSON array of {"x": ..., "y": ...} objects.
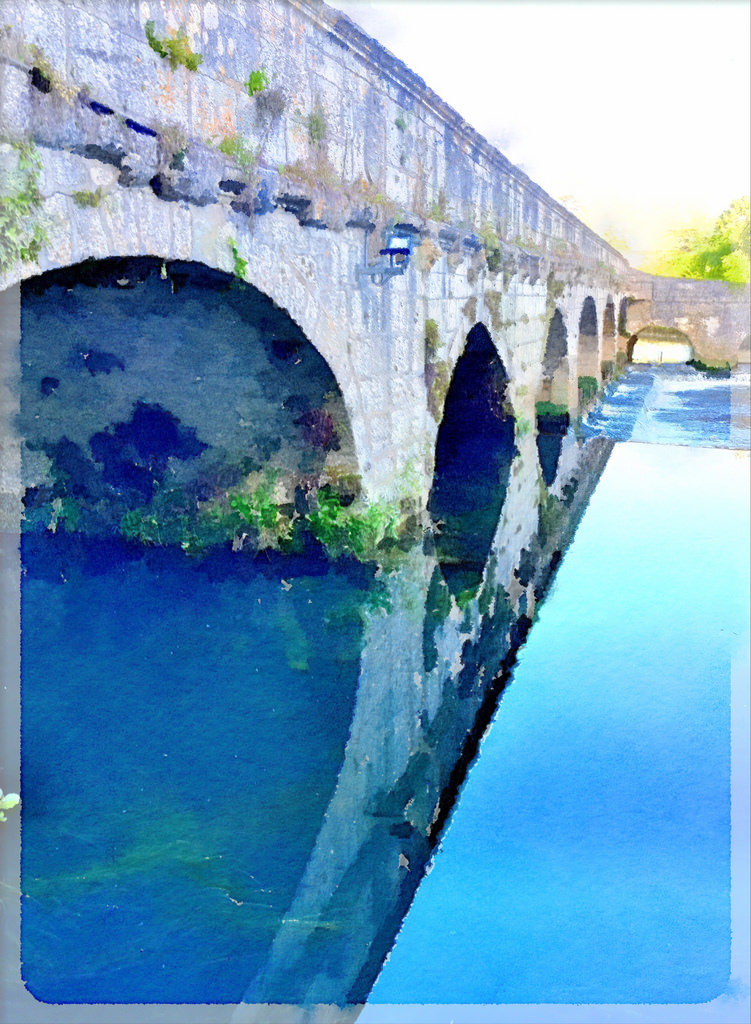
[{"x": 343, "y": 132}]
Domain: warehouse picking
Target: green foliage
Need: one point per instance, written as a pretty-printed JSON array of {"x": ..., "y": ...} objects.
[
  {"x": 432, "y": 339},
  {"x": 85, "y": 198},
  {"x": 316, "y": 127},
  {"x": 400, "y": 123},
  {"x": 360, "y": 532},
  {"x": 721, "y": 253},
  {"x": 439, "y": 209},
  {"x": 465, "y": 597},
  {"x": 259, "y": 509},
  {"x": 552, "y": 514},
  {"x": 550, "y": 409},
  {"x": 175, "y": 48},
  {"x": 237, "y": 149},
  {"x": 21, "y": 234},
  {"x": 257, "y": 82},
  {"x": 439, "y": 380},
  {"x": 138, "y": 525},
  {"x": 587, "y": 389},
  {"x": 711, "y": 369},
  {"x": 240, "y": 266}
]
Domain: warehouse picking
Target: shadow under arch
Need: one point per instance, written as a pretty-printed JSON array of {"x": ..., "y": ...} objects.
[
  {"x": 474, "y": 451},
  {"x": 133, "y": 235},
  {"x": 553, "y": 415},
  {"x": 171, "y": 378}
]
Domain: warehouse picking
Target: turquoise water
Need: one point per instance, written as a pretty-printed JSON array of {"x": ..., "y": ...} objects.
[{"x": 588, "y": 859}]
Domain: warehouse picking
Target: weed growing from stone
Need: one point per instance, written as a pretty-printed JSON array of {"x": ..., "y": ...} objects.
[
  {"x": 257, "y": 82},
  {"x": 239, "y": 151},
  {"x": 316, "y": 127},
  {"x": 175, "y": 48},
  {"x": 88, "y": 199},
  {"x": 240, "y": 265}
]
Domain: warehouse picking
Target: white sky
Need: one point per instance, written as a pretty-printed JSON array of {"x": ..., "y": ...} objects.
[{"x": 637, "y": 110}]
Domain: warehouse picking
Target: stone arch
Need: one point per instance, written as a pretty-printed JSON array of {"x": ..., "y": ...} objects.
[
  {"x": 475, "y": 447},
  {"x": 174, "y": 386},
  {"x": 146, "y": 226}
]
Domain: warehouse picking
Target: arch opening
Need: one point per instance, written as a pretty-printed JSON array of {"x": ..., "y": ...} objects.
[
  {"x": 177, "y": 406},
  {"x": 588, "y": 354},
  {"x": 474, "y": 451},
  {"x": 553, "y": 405},
  {"x": 656, "y": 344}
]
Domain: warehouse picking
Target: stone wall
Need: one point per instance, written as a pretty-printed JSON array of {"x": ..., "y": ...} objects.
[{"x": 712, "y": 314}]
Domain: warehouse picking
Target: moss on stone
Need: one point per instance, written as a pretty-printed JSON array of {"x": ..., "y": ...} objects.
[
  {"x": 86, "y": 198},
  {"x": 493, "y": 302},
  {"x": 173, "y": 48},
  {"x": 469, "y": 309},
  {"x": 432, "y": 339}
]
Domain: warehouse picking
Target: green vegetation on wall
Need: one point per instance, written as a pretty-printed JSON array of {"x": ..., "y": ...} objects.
[
  {"x": 587, "y": 389},
  {"x": 239, "y": 265},
  {"x": 86, "y": 198},
  {"x": 257, "y": 82},
  {"x": 175, "y": 48},
  {"x": 21, "y": 233},
  {"x": 237, "y": 149},
  {"x": 316, "y": 127}
]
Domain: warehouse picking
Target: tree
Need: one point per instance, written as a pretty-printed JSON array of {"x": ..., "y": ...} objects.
[{"x": 721, "y": 253}]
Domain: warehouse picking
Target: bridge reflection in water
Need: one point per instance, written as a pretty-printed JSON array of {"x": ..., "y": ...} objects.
[{"x": 286, "y": 813}]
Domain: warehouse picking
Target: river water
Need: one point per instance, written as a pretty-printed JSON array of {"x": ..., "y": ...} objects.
[
  {"x": 189, "y": 727},
  {"x": 588, "y": 860}
]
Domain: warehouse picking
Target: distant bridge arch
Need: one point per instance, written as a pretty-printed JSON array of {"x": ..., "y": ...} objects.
[{"x": 654, "y": 343}]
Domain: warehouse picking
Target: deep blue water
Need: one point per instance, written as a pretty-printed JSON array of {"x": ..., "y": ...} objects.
[{"x": 173, "y": 784}]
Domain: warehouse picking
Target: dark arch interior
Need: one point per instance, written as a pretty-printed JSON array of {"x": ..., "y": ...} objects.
[
  {"x": 588, "y": 318},
  {"x": 608, "y": 318},
  {"x": 151, "y": 391},
  {"x": 556, "y": 345},
  {"x": 623, "y": 317},
  {"x": 474, "y": 451}
]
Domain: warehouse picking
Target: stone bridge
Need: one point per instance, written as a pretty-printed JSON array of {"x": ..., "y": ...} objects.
[
  {"x": 274, "y": 139},
  {"x": 713, "y": 315}
]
